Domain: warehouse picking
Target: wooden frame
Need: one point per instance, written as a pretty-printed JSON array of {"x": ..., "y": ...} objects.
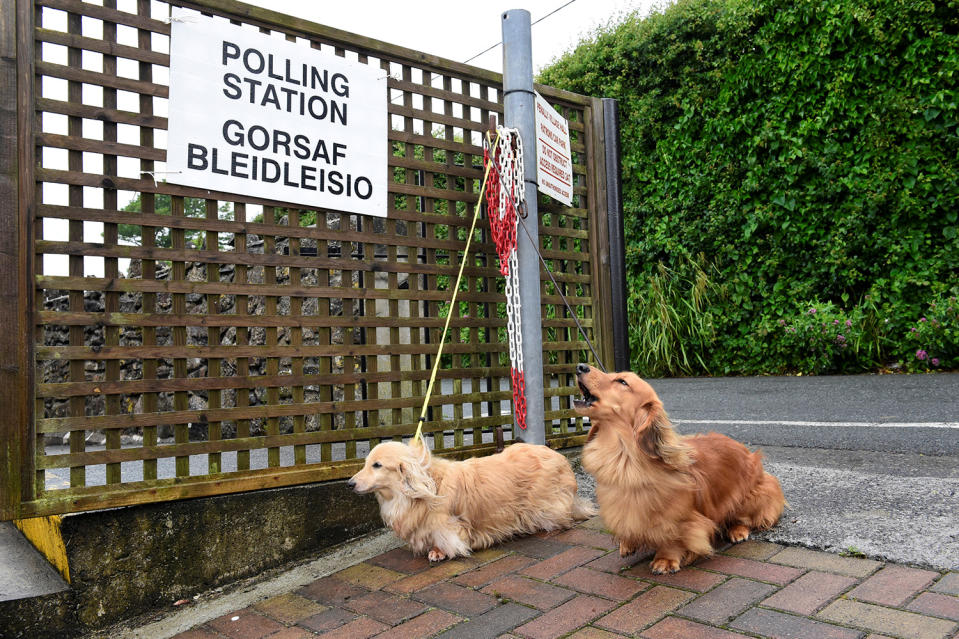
[{"x": 17, "y": 191}]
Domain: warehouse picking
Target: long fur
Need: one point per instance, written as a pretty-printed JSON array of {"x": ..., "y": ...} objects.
[
  {"x": 445, "y": 508},
  {"x": 659, "y": 490}
]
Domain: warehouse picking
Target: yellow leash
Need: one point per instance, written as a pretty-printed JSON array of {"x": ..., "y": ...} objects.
[{"x": 456, "y": 288}]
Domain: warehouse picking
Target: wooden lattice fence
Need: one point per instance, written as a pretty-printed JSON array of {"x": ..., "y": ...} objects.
[{"x": 163, "y": 342}]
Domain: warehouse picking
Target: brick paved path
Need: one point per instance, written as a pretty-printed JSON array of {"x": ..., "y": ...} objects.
[{"x": 575, "y": 584}]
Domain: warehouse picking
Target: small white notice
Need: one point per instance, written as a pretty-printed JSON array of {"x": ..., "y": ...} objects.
[
  {"x": 554, "y": 170},
  {"x": 260, "y": 116}
]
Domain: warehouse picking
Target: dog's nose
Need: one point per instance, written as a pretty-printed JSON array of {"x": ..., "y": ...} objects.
[
  {"x": 351, "y": 483},
  {"x": 582, "y": 369}
]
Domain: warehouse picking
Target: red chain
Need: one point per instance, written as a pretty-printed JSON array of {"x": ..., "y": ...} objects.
[
  {"x": 503, "y": 230},
  {"x": 519, "y": 396}
]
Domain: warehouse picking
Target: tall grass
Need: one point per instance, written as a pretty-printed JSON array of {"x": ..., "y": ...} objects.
[{"x": 671, "y": 324}]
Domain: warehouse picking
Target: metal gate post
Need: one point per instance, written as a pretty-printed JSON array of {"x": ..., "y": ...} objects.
[
  {"x": 519, "y": 111},
  {"x": 617, "y": 244}
]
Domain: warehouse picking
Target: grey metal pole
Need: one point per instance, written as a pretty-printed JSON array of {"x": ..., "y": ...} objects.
[{"x": 520, "y": 112}]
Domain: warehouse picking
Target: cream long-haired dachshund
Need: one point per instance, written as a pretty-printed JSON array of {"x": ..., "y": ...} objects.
[
  {"x": 659, "y": 490},
  {"x": 446, "y": 509}
]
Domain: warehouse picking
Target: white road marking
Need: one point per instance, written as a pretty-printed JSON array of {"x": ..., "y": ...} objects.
[{"x": 758, "y": 422}]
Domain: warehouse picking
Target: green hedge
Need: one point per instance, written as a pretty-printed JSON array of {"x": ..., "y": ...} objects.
[{"x": 790, "y": 169}]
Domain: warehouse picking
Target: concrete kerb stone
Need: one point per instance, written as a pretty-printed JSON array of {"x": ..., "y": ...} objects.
[{"x": 247, "y": 593}]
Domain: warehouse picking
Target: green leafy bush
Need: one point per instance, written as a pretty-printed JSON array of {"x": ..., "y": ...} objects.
[
  {"x": 935, "y": 338},
  {"x": 821, "y": 337},
  {"x": 809, "y": 150}
]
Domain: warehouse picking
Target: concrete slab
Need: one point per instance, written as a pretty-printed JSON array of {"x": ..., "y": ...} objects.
[{"x": 24, "y": 572}]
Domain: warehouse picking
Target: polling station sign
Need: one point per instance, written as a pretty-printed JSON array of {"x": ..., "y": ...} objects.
[
  {"x": 554, "y": 163},
  {"x": 259, "y": 116}
]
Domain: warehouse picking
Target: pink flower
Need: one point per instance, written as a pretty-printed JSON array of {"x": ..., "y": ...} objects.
[
  {"x": 848, "y": 323},
  {"x": 934, "y": 361},
  {"x": 922, "y": 319},
  {"x": 921, "y": 354},
  {"x": 812, "y": 311}
]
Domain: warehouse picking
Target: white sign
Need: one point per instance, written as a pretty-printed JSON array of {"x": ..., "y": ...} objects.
[
  {"x": 260, "y": 116},
  {"x": 554, "y": 163}
]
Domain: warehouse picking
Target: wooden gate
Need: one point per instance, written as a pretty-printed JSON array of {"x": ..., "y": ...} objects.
[{"x": 162, "y": 342}]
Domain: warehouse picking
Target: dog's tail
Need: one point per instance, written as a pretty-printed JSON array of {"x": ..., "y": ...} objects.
[{"x": 583, "y": 508}]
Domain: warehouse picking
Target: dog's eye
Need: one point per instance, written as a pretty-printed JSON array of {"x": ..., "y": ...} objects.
[
  {"x": 623, "y": 382},
  {"x": 377, "y": 465}
]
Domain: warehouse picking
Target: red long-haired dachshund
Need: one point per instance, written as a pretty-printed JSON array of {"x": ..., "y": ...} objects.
[{"x": 659, "y": 490}]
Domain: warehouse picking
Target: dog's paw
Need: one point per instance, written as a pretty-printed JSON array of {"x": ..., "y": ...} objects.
[
  {"x": 738, "y": 533},
  {"x": 626, "y": 549},
  {"x": 664, "y": 566},
  {"x": 435, "y": 554}
]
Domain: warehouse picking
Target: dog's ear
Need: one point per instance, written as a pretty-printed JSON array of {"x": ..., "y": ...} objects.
[
  {"x": 656, "y": 437},
  {"x": 417, "y": 483}
]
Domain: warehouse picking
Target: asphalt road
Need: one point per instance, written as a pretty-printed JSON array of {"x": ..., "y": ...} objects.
[{"x": 893, "y": 413}]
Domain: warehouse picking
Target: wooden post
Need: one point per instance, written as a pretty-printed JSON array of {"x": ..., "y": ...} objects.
[
  {"x": 597, "y": 204},
  {"x": 17, "y": 189}
]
